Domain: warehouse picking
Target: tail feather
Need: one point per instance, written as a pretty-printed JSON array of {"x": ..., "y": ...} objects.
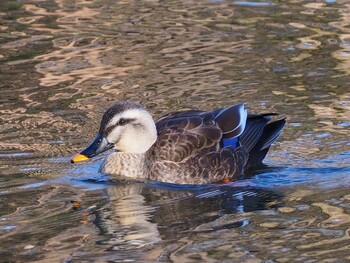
[
  {"x": 253, "y": 131},
  {"x": 271, "y": 132},
  {"x": 258, "y": 137}
]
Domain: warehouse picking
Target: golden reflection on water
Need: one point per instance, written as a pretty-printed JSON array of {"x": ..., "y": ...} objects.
[
  {"x": 92, "y": 54},
  {"x": 305, "y": 237},
  {"x": 63, "y": 62},
  {"x": 184, "y": 56}
]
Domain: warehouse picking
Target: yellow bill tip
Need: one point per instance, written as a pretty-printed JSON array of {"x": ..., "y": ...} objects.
[{"x": 79, "y": 158}]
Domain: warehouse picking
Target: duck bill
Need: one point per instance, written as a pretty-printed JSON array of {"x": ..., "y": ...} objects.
[{"x": 99, "y": 145}]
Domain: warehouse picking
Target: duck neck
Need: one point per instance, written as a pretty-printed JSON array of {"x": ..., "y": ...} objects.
[{"x": 131, "y": 165}]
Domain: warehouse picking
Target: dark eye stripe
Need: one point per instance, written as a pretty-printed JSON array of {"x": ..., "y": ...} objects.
[{"x": 121, "y": 122}]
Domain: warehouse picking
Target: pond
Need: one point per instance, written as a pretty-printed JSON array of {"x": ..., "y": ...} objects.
[{"x": 63, "y": 62}]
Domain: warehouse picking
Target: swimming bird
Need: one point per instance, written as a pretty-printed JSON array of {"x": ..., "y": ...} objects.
[{"x": 182, "y": 147}]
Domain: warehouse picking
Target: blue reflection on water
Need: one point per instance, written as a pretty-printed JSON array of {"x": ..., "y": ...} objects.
[
  {"x": 253, "y": 4},
  {"x": 295, "y": 175},
  {"x": 330, "y": 172},
  {"x": 85, "y": 175}
]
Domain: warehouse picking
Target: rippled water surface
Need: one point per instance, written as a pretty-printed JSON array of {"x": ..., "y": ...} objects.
[{"x": 63, "y": 62}]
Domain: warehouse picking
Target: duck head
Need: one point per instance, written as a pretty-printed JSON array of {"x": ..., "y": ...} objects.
[{"x": 126, "y": 127}]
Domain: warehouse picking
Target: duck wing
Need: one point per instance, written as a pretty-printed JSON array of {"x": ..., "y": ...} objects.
[
  {"x": 196, "y": 147},
  {"x": 231, "y": 119},
  {"x": 185, "y": 134},
  {"x": 184, "y": 137}
]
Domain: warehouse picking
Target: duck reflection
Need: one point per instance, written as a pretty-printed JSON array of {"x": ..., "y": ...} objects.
[{"x": 138, "y": 214}]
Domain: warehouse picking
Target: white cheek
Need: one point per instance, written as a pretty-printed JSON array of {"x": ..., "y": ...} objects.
[
  {"x": 124, "y": 138},
  {"x": 129, "y": 142},
  {"x": 115, "y": 135}
]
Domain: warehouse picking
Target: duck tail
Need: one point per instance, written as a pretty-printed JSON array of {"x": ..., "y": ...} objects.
[{"x": 258, "y": 136}]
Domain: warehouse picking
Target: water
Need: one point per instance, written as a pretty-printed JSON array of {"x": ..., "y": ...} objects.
[{"x": 63, "y": 62}]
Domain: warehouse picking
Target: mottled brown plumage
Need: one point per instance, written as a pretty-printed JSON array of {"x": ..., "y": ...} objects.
[{"x": 189, "y": 147}]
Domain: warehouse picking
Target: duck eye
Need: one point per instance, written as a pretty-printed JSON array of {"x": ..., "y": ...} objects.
[{"x": 122, "y": 121}]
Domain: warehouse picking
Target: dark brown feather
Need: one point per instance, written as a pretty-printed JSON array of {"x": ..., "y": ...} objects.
[
  {"x": 230, "y": 121},
  {"x": 189, "y": 146},
  {"x": 181, "y": 138}
]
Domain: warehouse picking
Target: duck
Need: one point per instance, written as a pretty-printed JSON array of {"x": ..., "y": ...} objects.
[{"x": 182, "y": 147}]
